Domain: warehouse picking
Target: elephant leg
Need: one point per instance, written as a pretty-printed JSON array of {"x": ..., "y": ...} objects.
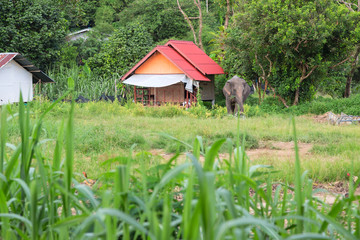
[
  {"x": 241, "y": 107},
  {"x": 228, "y": 105}
]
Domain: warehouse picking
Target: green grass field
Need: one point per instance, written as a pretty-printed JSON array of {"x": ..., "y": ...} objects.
[
  {"x": 205, "y": 188},
  {"x": 105, "y": 130}
]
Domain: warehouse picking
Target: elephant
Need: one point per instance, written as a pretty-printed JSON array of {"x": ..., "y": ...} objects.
[{"x": 236, "y": 90}]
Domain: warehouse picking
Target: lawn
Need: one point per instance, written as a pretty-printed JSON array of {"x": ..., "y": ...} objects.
[{"x": 106, "y": 130}]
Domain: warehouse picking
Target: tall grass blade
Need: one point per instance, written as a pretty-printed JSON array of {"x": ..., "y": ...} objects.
[
  {"x": 298, "y": 183},
  {"x": 33, "y": 210},
  {"x": 170, "y": 175},
  {"x": 3, "y": 131},
  {"x": 266, "y": 227},
  {"x": 126, "y": 218},
  {"x": 335, "y": 210},
  {"x": 5, "y": 222},
  {"x": 69, "y": 147},
  {"x": 166, "y": 219},
  {"x": 306, "y": 236},
  {"x": 211, "y": 154},
  {"x": 334, "y": 224},
  {"x": 58, "y": 148}
]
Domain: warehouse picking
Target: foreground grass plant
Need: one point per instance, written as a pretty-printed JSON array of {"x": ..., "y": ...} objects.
[{"x": 214, "y": 199}]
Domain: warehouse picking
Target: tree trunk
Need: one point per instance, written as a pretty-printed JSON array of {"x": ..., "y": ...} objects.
[
  {"x": 296, "y": 99},
  {"x": 188, "y": 21},
  {"x": 227, "y": 14},
  {"x": 351, "y": 74},
  {"x": 198, "y": 4}
]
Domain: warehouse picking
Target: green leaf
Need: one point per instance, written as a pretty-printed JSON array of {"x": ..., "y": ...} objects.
[
  {"x": 71, "y": 83},
  {"x": 212, "y": 153}
]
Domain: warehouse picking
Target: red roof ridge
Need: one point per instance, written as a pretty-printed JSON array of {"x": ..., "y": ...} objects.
[
  {"x": 198, "y": 58},
  {"x": 5, "y": 58},
  {"x": 189, "y": 70}
]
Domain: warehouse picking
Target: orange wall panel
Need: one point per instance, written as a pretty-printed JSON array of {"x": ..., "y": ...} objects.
[{"x": 158, "y": 64}]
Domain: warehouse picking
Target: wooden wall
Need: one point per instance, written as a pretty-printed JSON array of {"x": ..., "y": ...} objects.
[{"x": 174, "y": 93}]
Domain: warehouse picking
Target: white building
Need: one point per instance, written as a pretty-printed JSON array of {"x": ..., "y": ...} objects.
[
  {"x": 17, "y": 74},
  {"x": 82, "y": 34}
]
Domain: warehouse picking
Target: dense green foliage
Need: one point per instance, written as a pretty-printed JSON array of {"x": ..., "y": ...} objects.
[
  {"x": 320, "y": 105},
  {"x": 34, "y": 28},
  {"x": 125, "y": 46},
  {"x": 293, "y": 46}
]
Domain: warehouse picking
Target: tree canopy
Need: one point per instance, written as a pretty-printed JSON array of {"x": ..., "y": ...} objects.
[
  {"x": 36, "y": 29},
  {"x": 292, "y": 47}
]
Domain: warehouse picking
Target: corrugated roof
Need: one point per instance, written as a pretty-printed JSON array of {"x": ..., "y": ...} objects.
[
  {"x": 174, "y": 57},
  {"x": 38, "y": 75},
  {"x": 5, "y": 58},
  {"x": 181, "y": 63},
  {"x": 196, "y": 57}
]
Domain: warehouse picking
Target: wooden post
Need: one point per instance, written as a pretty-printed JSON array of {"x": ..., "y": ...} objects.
[
  {"x": 155, "y": 93},
  {"x": 135, "y": 93},
  {"x": 115, "y": 88}
]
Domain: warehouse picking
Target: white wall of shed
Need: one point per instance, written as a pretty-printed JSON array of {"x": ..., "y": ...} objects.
[{"x": 13, "y": 79}]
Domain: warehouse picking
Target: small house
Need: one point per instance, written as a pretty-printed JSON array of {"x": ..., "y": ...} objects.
[
  {"x": 173, "y": 73},
  {"x": 17, "y": 74}
]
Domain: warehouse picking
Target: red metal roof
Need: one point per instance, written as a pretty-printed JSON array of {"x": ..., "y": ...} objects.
[
  {"x": 196, "y": 57},
  {"x": 174, "y": 57},
  {"x": 37, "y": 74},
  {"x": 5, "y": 58},
  {"x": 181, "y": 63},
  {"x": 187, "y": 57}
]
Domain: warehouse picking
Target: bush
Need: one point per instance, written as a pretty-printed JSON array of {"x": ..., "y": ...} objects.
[{"x": 320, "y": 105}]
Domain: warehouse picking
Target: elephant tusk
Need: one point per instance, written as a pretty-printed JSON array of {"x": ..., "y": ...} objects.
[{"x": 227, "y": 92}]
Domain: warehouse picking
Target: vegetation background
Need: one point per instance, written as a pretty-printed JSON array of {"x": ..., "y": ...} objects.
[{"x": 294, "y": 49}]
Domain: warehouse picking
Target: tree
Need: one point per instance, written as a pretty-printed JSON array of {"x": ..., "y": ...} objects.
[
  {"x": 290, "y": 45},
  {"x": 161, "y": 18},
  {"x": 353, "y": 7},
  {"x": 196, "y": 34},
  {"x": 125, "y": 47},
  {"x": 33, "y": 28},
  {"x": 79, "y": 13}
]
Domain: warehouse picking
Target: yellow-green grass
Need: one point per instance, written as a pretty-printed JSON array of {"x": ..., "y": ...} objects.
[{"x": 106, "y": 130}]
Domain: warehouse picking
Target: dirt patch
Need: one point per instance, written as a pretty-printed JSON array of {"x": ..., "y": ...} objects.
[
  {"x": 282, "y": 150},
  {"x": 324, "y": 118}
]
